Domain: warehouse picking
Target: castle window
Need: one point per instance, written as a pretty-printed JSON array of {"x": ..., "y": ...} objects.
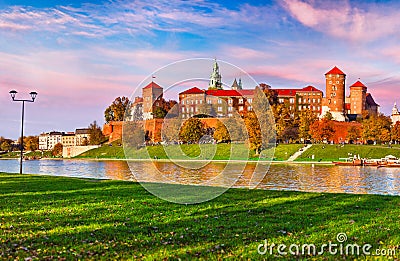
[
  {"x": 299, "y": 108},
  {"x": 230, "y": 101},
  {"x": 240, "y": 108},
  {"x": 201, "y": 101},
  {"x": 230, "y": 108},
  {"x": 249, "y": 100},
  {"x": 209, "y": 101},
  {"x": 330, "y": 82},
  {"x": 183, "y": 109},
  {"x": 219, "y": 108},
  {"x": 249, "y": 108},
  {"x": 334, "y": 102},
  {"x": 229, "y": 115},
  {"x": 337, "y": 82},
  {"x": 240, "y": 100},
  {"x": 219, "y": 101}
]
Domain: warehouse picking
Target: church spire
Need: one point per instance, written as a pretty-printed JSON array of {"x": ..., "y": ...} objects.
[
  {"x": 215, "y": 78},
  {"x": 395, "y": 110}
]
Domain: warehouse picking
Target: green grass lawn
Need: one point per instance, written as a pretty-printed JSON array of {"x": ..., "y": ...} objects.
[
  {"x": 192, "y": 151},
  {"x": 44, "y": 217},
  {"x": 334, "y": 152},
  {"x": 16, "y": 154}
]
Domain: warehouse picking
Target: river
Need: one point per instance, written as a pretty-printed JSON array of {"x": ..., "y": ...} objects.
[{"x": 299, "y": 177}]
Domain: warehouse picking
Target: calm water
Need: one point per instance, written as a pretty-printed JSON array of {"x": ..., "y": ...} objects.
[{"x": 317, "y": 178}]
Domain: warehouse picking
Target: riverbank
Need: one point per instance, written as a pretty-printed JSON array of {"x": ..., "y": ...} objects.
[
  {"x": 47, "y": 217},
  {"x": 316, "y": 154}
]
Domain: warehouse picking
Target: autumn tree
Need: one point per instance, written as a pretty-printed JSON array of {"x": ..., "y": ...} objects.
[
  {"x": 95, "y": 134},
  {"x": 133, "y": 136},
  {"x": 395, "y": 133},
  {"x": 57, "y": 150},
  {"x": 221, "y": 133},
  {"x": 192, "y": 130},
  {"x": 5, "y": 144},
  {"x": 353, "y": 133},
  {"x": 170, "y": 129},
  {"x": 377, "y": 128},
  {"x": 322, "y": 130},
  {"x": 254, "y": 132},
  {"x": 306, "y": 119},
  {"x": 159, "y": 113},
  {"x": 116, "y": 111},
  {"x": 31, "y": 143}
]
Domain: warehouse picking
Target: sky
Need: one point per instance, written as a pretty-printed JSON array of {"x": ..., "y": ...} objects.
[{"x": 80, "y": 55}]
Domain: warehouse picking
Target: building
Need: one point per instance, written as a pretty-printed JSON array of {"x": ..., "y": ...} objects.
[
  {"x": 351, "y": 107},
  {"x": 152, "y": 98},
  {"x": 68, "y": 139},
  {"x": 334, "y": 101},
  {"x": 48, "y": 140},
  {"x": 307, "y": 98},
  {"x": 82, "y": 137},
  {"x": 395, "y": 114}
]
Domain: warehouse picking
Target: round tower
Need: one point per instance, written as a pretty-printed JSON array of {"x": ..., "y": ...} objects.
[{"x": 335, "y": 93}]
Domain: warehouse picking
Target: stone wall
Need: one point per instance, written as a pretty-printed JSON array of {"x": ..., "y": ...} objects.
[{"x": 69, "y": 152}]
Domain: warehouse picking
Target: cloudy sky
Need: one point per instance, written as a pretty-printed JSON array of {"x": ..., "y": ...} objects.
[{"x": 79, "y": 55}]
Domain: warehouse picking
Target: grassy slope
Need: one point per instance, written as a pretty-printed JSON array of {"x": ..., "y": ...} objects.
[
  {"x": 54, "y": 217},
  {"x": 334, "y": 152},
  {"x": 282, "y": 151}
]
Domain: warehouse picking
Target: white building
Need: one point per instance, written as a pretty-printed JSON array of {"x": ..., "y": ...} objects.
[{"x": 395, "y": 114}]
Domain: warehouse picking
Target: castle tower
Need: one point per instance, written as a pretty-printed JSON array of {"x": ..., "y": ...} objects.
[
  {"x": 152, "y": 96},
  {"x": 335, "y": 94},
  {"x": 235, "y": 85},
  {"x": 358, "y": 94},
  {"x": 215, "y": 78}
]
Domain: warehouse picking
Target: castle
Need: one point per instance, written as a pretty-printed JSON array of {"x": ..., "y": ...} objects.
[{"x": 216, "y": 102}]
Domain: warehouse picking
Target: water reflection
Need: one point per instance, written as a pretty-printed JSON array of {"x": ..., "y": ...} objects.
[{"x": 317, "y": 178}]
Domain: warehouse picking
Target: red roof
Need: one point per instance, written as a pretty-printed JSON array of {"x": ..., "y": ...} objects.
[
  {"x": 193, "y": 90},
  {"x": 310, "y": 88},
  {"x": 358, "y": 84},
  {"x": 152, "y": 85},
  {"x": 223, "y": 93},
  {"x": 286, "y": 92},
  {"x": 247, "y": 92},
  {"x": 335, "y": 70}
]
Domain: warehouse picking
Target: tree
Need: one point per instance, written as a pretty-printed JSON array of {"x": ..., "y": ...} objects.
[
  {"x": 221, "y": 133},
  {"x": 395, "y": 133},
  {"x": 192, "y": 130},
  {"x": 353, "y": 133},
  {"x": 322, "y": 130},
  {"x": 5, "y": 144},
  {"x": 377, "y": 128},
  {"x": 254, "y": 132},
  {"x": 57, "y": 150},
  {"x": 159, "y": 113},
  {"x": 116, "y": 111},
  {"x": 170, "y": 129},
  {"x": 31, "y": 143},
  {"x": 328, "y": 116},
  {"x": 306, "y": 119},
  {"x": 95, "y": 133}
]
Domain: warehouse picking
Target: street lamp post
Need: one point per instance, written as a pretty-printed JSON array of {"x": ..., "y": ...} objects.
[{"x": 33, "y": 97}]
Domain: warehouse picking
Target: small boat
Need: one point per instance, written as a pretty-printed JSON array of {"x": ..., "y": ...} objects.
[{"x": 348, "y": 162}]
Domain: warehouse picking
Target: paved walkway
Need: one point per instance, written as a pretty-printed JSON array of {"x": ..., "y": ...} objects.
[{"x": 298, "y": 153}]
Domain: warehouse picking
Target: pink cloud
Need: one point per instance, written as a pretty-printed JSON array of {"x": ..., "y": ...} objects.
[{"x": 340, "y": 19}]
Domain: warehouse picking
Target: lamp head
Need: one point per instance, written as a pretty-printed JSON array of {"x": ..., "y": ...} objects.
[
  {"x": 33, "y": 95},
  {"x": 13, "y": 93}
]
